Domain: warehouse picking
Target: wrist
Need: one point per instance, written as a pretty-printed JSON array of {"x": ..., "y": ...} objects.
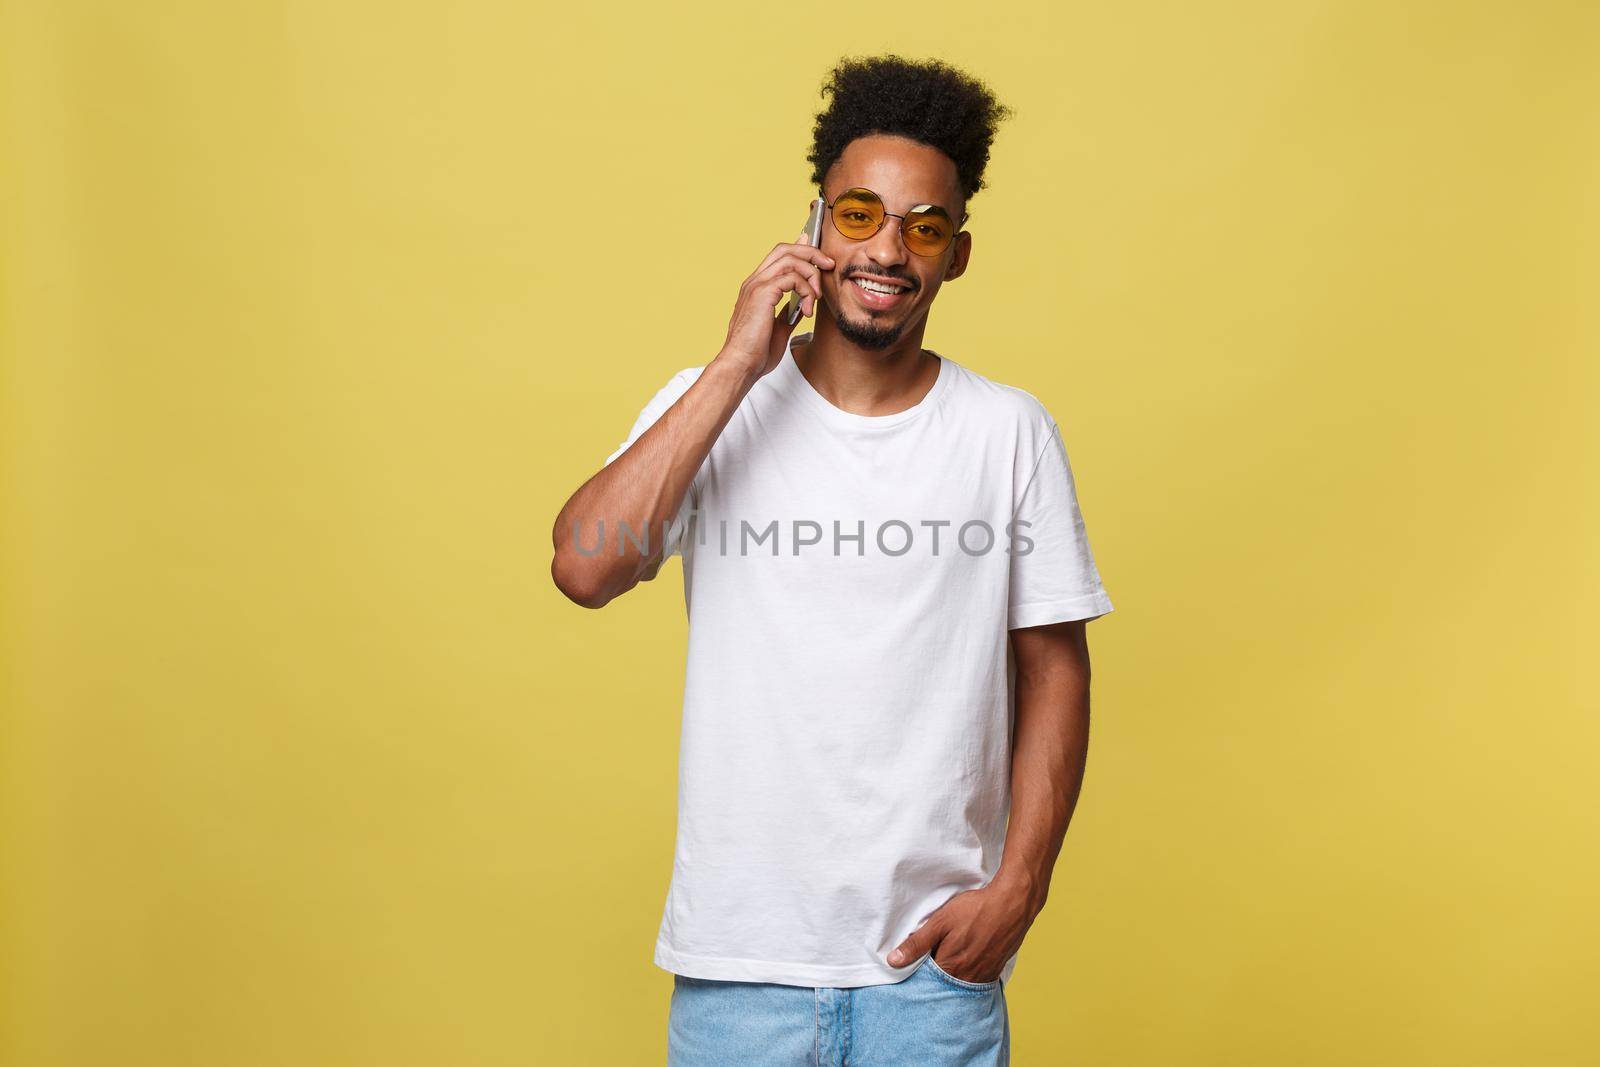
[
  {"x": 739, "y": 366},
  {"x": 1027, "y": 889}
]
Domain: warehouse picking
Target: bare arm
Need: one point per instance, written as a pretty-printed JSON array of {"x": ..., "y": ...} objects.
[
  {"x": 1049, "y": 752},
  {"x": 645, "y": 486}
]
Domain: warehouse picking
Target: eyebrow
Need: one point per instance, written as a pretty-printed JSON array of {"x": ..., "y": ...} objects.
[{"x": 919, "y": 203}]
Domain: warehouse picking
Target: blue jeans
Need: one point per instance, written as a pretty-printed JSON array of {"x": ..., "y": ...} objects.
[{"x": 928, "y": 1019}]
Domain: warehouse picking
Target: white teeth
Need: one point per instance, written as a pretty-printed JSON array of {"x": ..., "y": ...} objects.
[{"x": 875, "y": 287}]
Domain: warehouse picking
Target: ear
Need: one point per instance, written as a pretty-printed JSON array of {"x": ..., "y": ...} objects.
[{"x": 958, "y": 258}]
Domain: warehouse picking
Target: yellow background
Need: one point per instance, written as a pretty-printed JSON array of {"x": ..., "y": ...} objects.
[{"x": 314, "y": 313}]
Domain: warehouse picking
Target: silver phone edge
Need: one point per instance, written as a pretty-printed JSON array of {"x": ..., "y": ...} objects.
[{"x": 814, "y": 231}]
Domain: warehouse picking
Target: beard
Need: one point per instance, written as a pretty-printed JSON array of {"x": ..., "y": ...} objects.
[{"x": 868, "y": 334}]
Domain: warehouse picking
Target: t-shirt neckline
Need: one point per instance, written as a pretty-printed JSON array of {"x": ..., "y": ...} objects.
[{"x": 799, "y": 384}]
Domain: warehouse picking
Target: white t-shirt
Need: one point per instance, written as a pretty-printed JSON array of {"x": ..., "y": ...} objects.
[{"x": 845, "y": 758}]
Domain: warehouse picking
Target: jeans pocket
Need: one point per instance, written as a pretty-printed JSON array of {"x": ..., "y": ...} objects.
[{"x": 961, "y": 983}]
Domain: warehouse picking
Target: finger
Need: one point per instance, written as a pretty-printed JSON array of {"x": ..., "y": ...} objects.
[
  {"x": 781, "y": 329},
  {"x": 921, "y": 940},
  {"x": 907, "y": 950},
  {"x": 804, "y": 251},
  {"x": 788, "y": 281},
  {"x": 811, "y": 273},
  {"x": 796, "y": 256},
  {"x": 810, "y": 289},
  {"x": 773, "y": 287}
]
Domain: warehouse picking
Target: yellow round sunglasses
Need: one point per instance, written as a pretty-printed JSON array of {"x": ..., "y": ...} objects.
[{"x": 926, "y": 229}]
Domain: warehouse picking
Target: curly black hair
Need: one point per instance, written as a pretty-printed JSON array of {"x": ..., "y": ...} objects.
[{"x": 927, "y": 101}]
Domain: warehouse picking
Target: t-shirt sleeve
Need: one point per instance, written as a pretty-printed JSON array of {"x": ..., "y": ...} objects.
[
  {"x": 1053, "y": 574},
  {"x": 657, "y": 406}
]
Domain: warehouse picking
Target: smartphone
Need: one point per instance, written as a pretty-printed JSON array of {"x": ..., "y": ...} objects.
[{"x": 814, "y": 235}]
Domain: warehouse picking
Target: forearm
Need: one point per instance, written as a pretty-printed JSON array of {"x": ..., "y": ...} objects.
[
  {"x": 1049, "y": 754},
  {"x": 643, "y": 488}
]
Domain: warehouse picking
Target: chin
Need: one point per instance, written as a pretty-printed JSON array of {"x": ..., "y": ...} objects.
[{"x": 869, "y": 334}]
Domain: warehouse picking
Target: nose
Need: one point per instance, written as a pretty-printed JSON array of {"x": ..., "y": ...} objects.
[{"x": 885, "y": 247}]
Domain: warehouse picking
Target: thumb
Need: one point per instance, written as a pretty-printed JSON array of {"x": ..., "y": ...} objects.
[
  {"x": 921, "y": 940},
  {"x": 781, "y": 326}
]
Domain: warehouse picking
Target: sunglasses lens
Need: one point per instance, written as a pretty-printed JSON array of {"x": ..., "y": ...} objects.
[
  {"x": 928, "y": 233},
  {"x": 858, "y": 213}
]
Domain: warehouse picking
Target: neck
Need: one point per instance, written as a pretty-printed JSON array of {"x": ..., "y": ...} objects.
[{"x": 866, "y": 381}]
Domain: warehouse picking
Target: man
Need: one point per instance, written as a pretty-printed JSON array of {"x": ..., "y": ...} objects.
[{"x": 887, "y": 579}]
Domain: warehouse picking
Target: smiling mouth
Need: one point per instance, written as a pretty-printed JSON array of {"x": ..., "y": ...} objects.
[{"x": 876, "y": 295}]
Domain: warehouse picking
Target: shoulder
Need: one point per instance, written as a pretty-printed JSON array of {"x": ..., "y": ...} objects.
[
  {"x": 675, "y": 387},
  {"x": 685, "y": 378},
  {"x": 1005, "y": 404}
]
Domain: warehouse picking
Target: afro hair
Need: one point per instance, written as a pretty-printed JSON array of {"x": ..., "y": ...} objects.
[{"x": 928, "y": 101}]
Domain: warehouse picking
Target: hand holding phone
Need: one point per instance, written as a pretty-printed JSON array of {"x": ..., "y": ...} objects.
[
  {"x": 812, "y": 235},
  {"x": 758, "y": 331}
]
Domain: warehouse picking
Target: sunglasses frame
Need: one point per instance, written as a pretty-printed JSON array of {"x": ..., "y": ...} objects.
[{"x": 887, "y": 215}]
